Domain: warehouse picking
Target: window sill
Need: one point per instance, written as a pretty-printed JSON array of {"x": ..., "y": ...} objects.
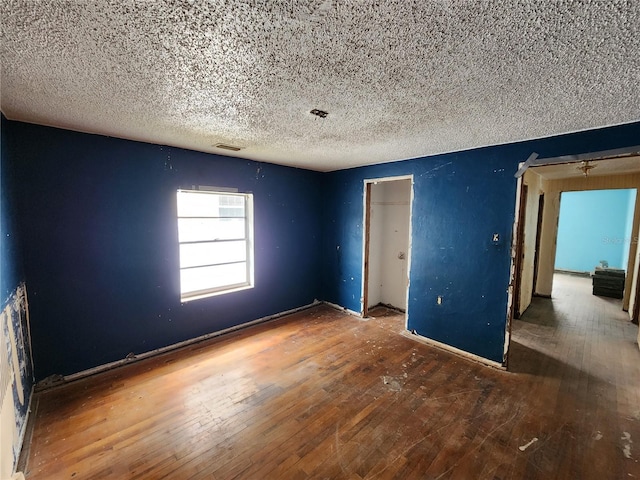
[{"x": 198, "y": 296}]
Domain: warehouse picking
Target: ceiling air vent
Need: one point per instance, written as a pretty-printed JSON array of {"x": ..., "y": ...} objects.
[
  {"x": 319, "y": 113},
  {"x": 224, "y": 146}
]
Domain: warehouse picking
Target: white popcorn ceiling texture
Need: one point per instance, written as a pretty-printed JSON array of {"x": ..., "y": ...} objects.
[{"x": 400, "y": 79}]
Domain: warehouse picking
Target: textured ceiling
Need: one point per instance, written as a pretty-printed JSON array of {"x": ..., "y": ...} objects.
[{"x": 400, "y": 79}]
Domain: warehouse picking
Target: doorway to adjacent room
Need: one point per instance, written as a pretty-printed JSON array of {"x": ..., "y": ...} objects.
[{"x": 387, "y": 242}]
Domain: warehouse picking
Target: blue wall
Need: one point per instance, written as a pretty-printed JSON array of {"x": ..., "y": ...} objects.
[
  {"x": 11, "y": 272},
  {"x": 594, "y": 225},
  {"x": 98, "y": 232},
  {"x": 97, "y": 220},
  {"x": 11, "y": 279},
  {"x": 460, "y": 200}
]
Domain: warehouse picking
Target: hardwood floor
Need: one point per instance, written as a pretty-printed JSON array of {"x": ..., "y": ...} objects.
[{"x": 321, "y": 394}]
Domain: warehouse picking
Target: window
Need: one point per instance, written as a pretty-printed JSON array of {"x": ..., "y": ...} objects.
[{"x": 215, "y": 234}]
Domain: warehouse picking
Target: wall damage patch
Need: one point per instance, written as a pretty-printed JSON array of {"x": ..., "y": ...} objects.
[{"x": 16, "y": 373}]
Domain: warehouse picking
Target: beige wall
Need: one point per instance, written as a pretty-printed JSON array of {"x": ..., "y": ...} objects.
[
  {"x": 548, "y": 238},
  {"x": 534, "y": 184},
  {"x": 631, "y": 285},
  {"x": 632, "y": 267},
  {"x": 576, "y": 184}
]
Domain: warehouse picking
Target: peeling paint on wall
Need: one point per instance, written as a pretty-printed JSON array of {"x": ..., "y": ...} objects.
[{"x": 16, "y": 378}]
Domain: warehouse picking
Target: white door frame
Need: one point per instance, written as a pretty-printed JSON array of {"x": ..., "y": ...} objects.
[{"x": 365, "y": 239}]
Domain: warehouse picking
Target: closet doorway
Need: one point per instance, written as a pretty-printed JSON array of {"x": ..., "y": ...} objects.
[{"x": 387, "y": 242}]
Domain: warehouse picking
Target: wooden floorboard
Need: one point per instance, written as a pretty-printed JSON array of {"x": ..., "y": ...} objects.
[{"x": 322, "y": 394}]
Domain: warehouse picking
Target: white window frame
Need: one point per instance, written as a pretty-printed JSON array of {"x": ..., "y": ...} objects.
[{"x": 248, "y": 238}]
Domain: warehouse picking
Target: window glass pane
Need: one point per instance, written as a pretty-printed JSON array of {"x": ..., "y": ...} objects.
[
  {"x": 231, "y": 206},
  {"x": 194, "y": 204},
  {"x": 201, "y": 204},
  {"x": 231, "y": 211},
  {"x": 200, "y": 229},
  {"x": 204, "y": 278},
  {"x": 194, "y": 254}
]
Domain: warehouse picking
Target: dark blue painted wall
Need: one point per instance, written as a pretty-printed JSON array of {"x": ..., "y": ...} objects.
[
  {"x": 97, "y": 222},
  {"x": 460, "y": 200},
  {"x": 11, "y": 279},
  {"x": 11, "y": 273},
  {"x": 98, "y": 230}
]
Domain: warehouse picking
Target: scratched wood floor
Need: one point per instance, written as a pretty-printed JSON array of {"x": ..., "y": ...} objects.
[{"x": 320, "y": 394}]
